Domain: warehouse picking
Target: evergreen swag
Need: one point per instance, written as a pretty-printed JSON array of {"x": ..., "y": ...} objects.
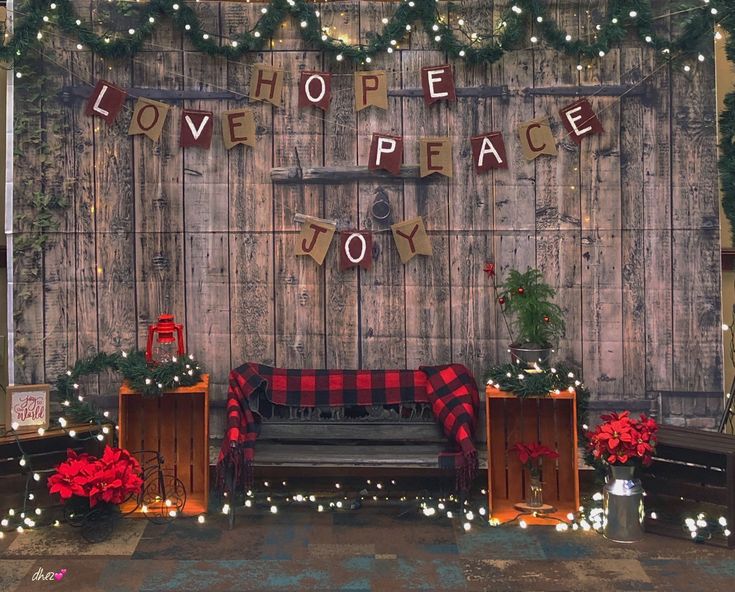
[
  {"x": 142, "y": 377},
  {"x": 512, "y": 31}
]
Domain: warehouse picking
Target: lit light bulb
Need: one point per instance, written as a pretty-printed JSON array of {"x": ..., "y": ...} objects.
[
  {"x": 633, "y": 14},
  {"x": 200, "y": 519},
  {"x": 274, "y": 510},
  {"x": 523, "y": 524}
]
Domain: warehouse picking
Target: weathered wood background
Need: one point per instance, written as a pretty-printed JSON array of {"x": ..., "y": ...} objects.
[{"x": 625, "y": 227}]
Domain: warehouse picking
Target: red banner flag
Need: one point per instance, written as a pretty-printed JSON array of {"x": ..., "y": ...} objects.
[
  {"x": 315, "y": 90},
  {"x": 580, "y": 120},
  {"x": 437, "y": 83},
  {"x": 105, "y": 101},
  {"x": 196, "y": 128},
  {"x": 386, "y": 152},
  {"x": 488, "y": 152},
  {"x": 357, "y": 249}
]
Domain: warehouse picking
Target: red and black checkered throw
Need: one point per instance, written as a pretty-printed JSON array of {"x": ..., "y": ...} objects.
[{"x": 451, "y": 390}]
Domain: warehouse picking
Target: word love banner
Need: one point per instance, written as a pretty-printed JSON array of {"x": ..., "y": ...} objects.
[{"x": 356, "y": 246}]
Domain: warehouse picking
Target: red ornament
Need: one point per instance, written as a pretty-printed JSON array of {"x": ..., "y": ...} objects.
[
  {"x": 521, "y": 290},
  {"x": 490, "y": 268},
  {"x": 166, "y": 345},
  {"x": 501, "y": 300},
  {"x": 546, "y": 319}
]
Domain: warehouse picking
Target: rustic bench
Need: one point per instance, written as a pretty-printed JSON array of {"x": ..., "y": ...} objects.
[{"x": 387, "y": 441}]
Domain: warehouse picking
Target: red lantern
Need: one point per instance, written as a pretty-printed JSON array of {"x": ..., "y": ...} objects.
[{"x": 166, "y": 346}]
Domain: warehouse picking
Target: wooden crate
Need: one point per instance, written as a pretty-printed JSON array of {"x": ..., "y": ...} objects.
[
  {"x": 177, "y": 425},
  {"x": 550, "y": 420},
  {"x": 693, "y": 471}
]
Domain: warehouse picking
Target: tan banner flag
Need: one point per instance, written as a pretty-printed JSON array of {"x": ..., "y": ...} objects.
[
  {"x": 411, "y": 238},
  {"x": 266, "y": 84},
  {"x": 371, "y": 88},
  {"x": 148, "y": 118},
  {"x": 435, "y": 156},
  {"x": 536, "y": 138},
  {"x": 238, "y": 127},
  {"x": 315, "y": 238}
]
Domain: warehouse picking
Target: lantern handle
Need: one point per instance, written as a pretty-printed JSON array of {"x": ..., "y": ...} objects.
[
  {"x": 149, "y": 344},
  {"x": 180, "y": 338}
]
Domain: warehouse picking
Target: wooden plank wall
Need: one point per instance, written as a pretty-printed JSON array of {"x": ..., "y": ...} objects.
[{"x": 625, "y": 226}]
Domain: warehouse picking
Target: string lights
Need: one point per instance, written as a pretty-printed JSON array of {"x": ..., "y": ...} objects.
[{"x": 511, "y": 31}]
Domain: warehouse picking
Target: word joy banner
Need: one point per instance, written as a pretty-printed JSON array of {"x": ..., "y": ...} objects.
[{"x": 371, "y": 90}]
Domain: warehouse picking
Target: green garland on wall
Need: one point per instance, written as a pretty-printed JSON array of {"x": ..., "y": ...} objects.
[{"x": 623, "y": 16}]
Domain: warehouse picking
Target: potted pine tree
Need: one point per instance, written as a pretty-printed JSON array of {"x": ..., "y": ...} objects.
[{"x": 534, "y": 321}]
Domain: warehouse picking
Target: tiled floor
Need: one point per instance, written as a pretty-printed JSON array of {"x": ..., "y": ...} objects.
[{"x": 367, "y": 550}]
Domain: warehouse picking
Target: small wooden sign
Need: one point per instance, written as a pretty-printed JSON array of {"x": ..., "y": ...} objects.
[{"x": 27, "y": 407}]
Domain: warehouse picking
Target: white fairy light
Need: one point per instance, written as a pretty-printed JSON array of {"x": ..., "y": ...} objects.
[
  {"x": 340, "y": 57},
  {"x": 408, "y": 27},
  {"x": 36, "y": 477},
  {"x": 175, "y": 7},
  {"x": 41, "y": 431},
  {"x": 461, "y": 53},
  {"x": 384, "y": 20},
  {"x": 516, "y": 9},
  {"x": 601, "y": 54},
  {"x": 534, "y": 39},
  {"x": 256, "y": 34},
  {"x": 304, "y": 24},
  {"x": 205, "y": 36},
  {"x": 264, "y": 10},
  {"x": 201, "y": 519},
  {"x": 274, "y": 510},
  {"x": 523, "y": 524},
  {"x": 78, "y": 22},
  {"x": 435, "y": 27},
  {"x": 226, "y": 509},
  {"x": 234, "y": 43},
  {"x": 131, "y": 31},
  {"x": 45, "y": 19},
  {"x": 633, "y": 14},
  {"x": 467, "y": 526},
  {"x": 700, "y": 57},
  {"x": 649, "y": 39},
  {"x": 72, "y": 433},
  {"x": 100, "y": 437},
  {"x": 568, "y": 37},
  {"x": 614, "y": 21},
  {"x": 687, "y": 68}
]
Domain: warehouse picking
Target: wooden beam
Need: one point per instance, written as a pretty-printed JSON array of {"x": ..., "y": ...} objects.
[
  {"x": 347, "y": 174},
  {"x": 475, "y": 91},
  {"x": 70, "y": 93},
  {"x": 612, "y": 90}
]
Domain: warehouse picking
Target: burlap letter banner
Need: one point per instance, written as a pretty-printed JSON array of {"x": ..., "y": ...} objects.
[
  {"x": 437, "y": 82},
  {"x": 411, "y": 239},
  {"x": 148, "y": 118},
  {"x": 105, "y": 101},
  {"x": 488, "y": 152},
  {"x": 386, "y": 152},
  {"x": 314, "y": 239},
  {"x": 435, "y": 156},
  {"x": 196, "y": 129},
  {"x": 536, "y": 138},
  {"x": 356, "y": 249},
  {"x": 371, "y": 88},
  {"x": 266, "y": 84},
  {"x": 238, "y": 127},
  {"x": 315, "y": 90},
  {"x": 580, "y": 120}
]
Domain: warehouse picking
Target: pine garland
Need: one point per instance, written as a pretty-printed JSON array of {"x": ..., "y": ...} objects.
[
  {"x": 727, "y": 133},
  {"x": 147, "y": 379},
  {"x": 516, "y": 21}
]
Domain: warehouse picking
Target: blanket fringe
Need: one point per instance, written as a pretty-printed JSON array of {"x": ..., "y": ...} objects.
[
  {"x": 467, "y": 470},
  {"x": 234, "y": 472}
]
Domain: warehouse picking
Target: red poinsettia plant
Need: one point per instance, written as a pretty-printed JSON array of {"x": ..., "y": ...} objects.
[
  {"x": 532, "y": 455},
  {"x": 111, "y": 479},
  {"x": 622, "y": 440}
]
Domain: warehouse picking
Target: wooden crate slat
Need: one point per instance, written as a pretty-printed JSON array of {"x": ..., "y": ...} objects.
[
  {"x": 183, "y": 433},
  {"x": 548, "y": 437},
  {"x": 167, "y": 431},
  {"x": 150, "y": 423},
  {"x": 497, "y": 487},
  {"x": 200, "y": 449},
  {"x": 514, "y": 434},
  {"x": 567, "y": 451}
]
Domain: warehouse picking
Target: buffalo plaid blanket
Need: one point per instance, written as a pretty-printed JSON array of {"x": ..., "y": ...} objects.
[{"x": 451, "y": 390}]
